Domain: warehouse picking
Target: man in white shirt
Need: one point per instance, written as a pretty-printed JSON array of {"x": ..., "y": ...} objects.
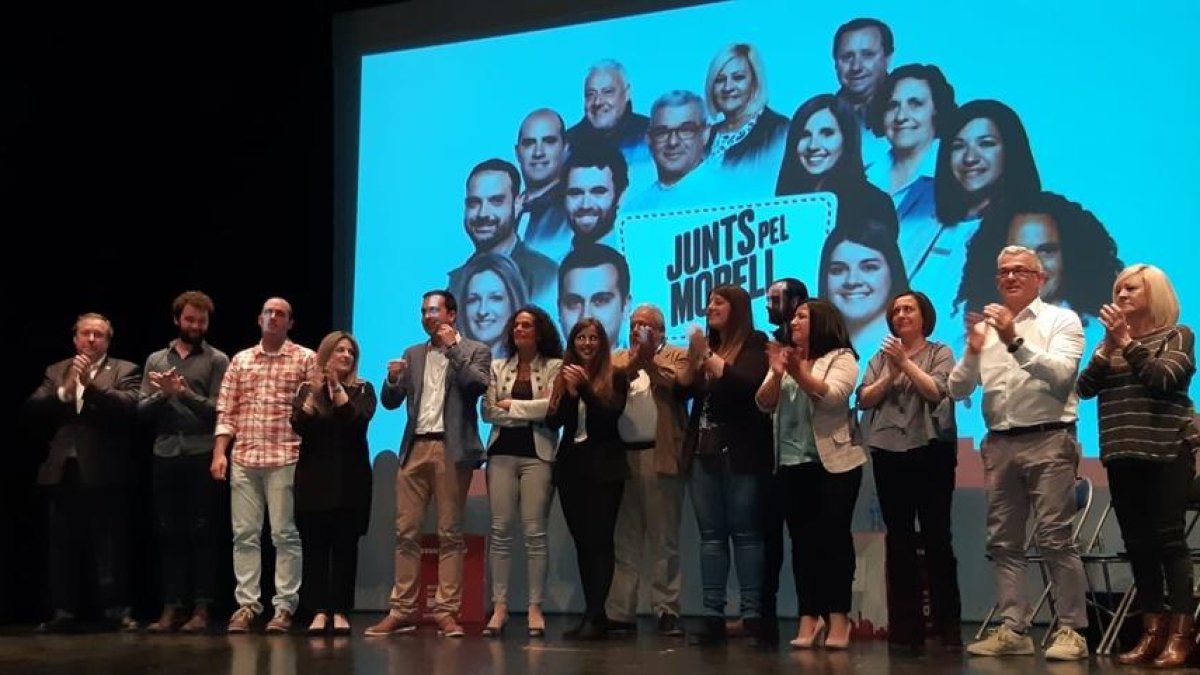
[
  {"x": 442, "y": 380},
  {"x": 1026, "y": 355}
]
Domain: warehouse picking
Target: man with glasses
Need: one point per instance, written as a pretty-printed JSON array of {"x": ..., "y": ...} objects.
[
  {"x": 1026, "y": 353},
  {"x": 254, "y": 407},
  {"x": 441, "y": 379},
  {"x": 678, "y": 137}
]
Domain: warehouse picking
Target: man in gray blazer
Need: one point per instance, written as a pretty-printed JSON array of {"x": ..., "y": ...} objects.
[
  {"x": 442, "y": 380},
  {"x": 88, "y": 403}
]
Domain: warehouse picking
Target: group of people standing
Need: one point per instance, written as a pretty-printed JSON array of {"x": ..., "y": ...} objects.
[{"x": 763, "y": 431}]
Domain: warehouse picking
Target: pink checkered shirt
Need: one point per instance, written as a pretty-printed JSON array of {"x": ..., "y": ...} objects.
[{"x": 255, "y": 404}]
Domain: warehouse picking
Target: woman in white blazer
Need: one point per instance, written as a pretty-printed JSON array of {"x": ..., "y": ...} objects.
[
  {"x": 520, "y": 457},
  {"x": 819, "y": 462}
]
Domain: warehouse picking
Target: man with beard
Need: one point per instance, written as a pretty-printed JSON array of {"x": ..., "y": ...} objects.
[
  {"x": 608, "y": 118},
  {"x": 596, "y": 179},
  {"x": 783, "y": 297},
  {"x": 862, "y": 52},
  {"x": 441, "y": 380},
  {"x": 490, "y": 219},
  {"x": 88, "y": 403},
  {"x": 541, "y": 148},
  {"x": 678, "y": 135},
  {"x": 179, "y": 398}
]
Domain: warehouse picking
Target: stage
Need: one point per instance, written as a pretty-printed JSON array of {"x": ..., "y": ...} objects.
[{"x": 23, "y": 652}]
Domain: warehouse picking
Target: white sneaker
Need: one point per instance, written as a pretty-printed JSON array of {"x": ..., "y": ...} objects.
[
  {"x": 1002, "y": 641},
  {"x": 1067, "y": 646}
]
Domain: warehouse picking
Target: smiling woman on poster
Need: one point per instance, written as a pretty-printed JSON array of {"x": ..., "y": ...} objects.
[
  {"x": 491, "y": 289},
  {"x": 860, "y": 272},
  {"x": 746, "y": 134}
]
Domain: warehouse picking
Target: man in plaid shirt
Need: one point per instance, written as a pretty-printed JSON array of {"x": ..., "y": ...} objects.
[{"x": 254, "y": 407}]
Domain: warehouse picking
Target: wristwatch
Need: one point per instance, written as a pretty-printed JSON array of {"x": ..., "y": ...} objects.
[{"x": 1016, "y": 344}]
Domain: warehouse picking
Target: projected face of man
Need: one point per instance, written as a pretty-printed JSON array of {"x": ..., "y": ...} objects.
[
  {"x": 861, "y": 63},
  {"x": 1039, "y": 233},
  {"x": 592, "y": 292},
  {"x": 605, "y": 95},
  {"x": 489, "y": 216},
  {"x": 540, "y": 149},
  {"x": 678, "y": 136},
  {"x": 591, "y": 201}
]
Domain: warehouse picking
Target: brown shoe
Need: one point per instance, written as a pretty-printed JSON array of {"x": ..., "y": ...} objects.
[
  {"x": 391, "y": 625},
  {"x": 1179, "y": 642},
  {"x": 241, "y": 620},
  {"x": 280, "y": 623},
  {"x": 448, "y": 626},
  {"x": 198, "y": 623},
  {"x": 1154, "y": 638},
  {"x": 168, "y": 622}
]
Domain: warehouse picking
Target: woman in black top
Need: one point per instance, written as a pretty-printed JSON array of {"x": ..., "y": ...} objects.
[
  {"x": 590, "y": 467},
  {"x": 333, "y": 479},
  {"x": 731, "y": 441}
]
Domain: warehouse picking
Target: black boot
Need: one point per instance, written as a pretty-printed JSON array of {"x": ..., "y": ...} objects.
[{"x": 710, "y": 631}]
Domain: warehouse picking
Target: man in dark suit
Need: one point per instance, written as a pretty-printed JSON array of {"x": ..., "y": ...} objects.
[
  {"x": 442, "y": 380},
  {"x": 88, "y": 403}
]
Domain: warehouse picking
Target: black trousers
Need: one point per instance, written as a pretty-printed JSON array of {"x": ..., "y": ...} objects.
[
  {"x": 88, "y": 536},
  {"x": 918, "y": 486},
  {"x": 185, "y": 503},
  {"x": 773, "y": 522},
  {"x": 1149, "y": 499},
  {"x": 330, "y": 545},
  {"x": 817, "y": 507},
  {"x": 590, "y": 508}
]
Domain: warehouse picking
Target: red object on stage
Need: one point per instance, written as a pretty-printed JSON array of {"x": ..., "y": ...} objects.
[{"x": 473, "y": 579}]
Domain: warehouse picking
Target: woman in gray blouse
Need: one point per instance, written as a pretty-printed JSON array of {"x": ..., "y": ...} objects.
[{"x": 909, "y": 424}]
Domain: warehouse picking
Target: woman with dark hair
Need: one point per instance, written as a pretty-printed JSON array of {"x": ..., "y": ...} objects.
[
  {"x": 819, "y": 462},
  {"x": 823, "y": 154},
  {"x": 1141, "y": 372},
  {"x": 860, "y": 271},
  {"x": 520, "y": 458},
  {"x": 746, "y": 133},
  {"x": 492, "y": 288},
  {"x": 730, "y": 441},
  {"x": 1078, "y": 254},
  {"x": 590, "y": 468},
  {"x": 911, "y": 109},
  {"x": 985, "y": 163},
  {"x": 909, "y": 424},
  {"x": 333, "y": 479},
  {"x": 987, "y": 158}
]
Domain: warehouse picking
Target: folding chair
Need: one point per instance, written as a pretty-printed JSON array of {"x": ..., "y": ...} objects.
[{"x": 1083, "y": 507}]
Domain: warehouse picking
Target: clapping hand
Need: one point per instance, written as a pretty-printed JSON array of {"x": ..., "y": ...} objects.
[
  {"x": 977, "y": 328},
  {"x": 1116, "y": 329}
]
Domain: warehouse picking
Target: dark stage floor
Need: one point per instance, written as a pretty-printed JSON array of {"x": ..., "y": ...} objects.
[{"x": 23, "y": 652}]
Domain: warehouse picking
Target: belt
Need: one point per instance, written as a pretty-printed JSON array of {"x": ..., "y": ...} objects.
[
  {"x": 1034, "y": 429},
  {"x": 434, "y": 436}
]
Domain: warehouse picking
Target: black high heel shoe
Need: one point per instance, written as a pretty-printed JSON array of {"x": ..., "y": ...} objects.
[{"x": 490, "y": 631}]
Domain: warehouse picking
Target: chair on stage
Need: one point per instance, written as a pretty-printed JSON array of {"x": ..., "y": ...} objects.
[{"x": 1083, "y": 508}]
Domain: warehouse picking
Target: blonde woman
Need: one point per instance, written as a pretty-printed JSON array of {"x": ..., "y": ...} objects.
[
  {"x": 333, "y": 479},
  {"x": 745, "y": 131},
  {"x": 1141, "y": 372}
]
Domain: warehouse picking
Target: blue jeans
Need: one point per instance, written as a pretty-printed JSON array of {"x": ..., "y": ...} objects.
[
  {"x": 727, "y": 506},
  {"x": 252, "y": 492}
]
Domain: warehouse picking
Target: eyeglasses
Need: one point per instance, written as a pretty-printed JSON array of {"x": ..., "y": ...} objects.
[
  {"x": 685, "y": 132},
  {"x": 1016, "y": 272}
]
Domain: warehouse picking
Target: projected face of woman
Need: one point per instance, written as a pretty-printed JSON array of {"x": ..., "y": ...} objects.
[
  {"x": 820, "y": 144},
  {"x": 487, "y": 306},
  {"x": 1039, "y": 232},
  {"x": 733, "y": 86},
  {"x": 859, "y": 281},
  {"x": 977, "y": 155},
  {"x": 908, "y": 119}
]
